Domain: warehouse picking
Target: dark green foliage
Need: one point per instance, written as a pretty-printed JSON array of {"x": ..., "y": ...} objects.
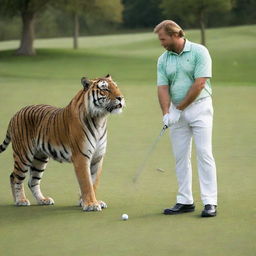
[
  {"x": 54, "y": 22},
  {"x": 17, "y": 7},
  {"x": 141, "y": 13},
  {"x": 244, "y": 12}
]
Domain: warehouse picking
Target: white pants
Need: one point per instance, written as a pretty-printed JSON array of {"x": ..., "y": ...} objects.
[{"x": 196, "y": 122}]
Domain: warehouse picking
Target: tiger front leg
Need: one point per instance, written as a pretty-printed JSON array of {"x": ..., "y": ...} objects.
[
  {"x": 96, "y": 170},
  {"x": 88, "y": 198}
]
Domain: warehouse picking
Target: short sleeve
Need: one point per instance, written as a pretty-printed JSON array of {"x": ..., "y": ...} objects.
[
  {"x": 203, "y": 66},
  {"x": 161, "y": 74}
]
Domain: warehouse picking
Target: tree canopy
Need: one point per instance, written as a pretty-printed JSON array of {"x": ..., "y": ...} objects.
[
  {"x": 28, "y": 9},
  {"x": 54, "y": 18},
  {"x": 141, "y": 13},
  {"x": 195, "y": 11}
]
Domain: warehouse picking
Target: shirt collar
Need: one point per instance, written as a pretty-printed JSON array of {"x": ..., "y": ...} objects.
[{"x": 187, "y": 48}]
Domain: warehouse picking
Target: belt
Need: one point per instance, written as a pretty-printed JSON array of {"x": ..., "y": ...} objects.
[
  {"x": 196, "y": 101},
  {"x": 201, "y": 99}
]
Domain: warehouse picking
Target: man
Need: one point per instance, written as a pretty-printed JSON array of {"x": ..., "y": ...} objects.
[{"x": 184, "y": 94}]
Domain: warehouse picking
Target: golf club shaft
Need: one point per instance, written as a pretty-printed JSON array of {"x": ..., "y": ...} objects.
[{"x": 143, "y": 164}]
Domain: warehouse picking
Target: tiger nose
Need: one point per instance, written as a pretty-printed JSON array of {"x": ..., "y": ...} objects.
[{"x": 119, "y": 98}]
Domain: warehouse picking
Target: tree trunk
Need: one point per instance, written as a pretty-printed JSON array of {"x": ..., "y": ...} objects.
[
  {"x": 202, "y": 28},
  {"x": 76, "y": 31},
  {"x": 27, "y": 37}
]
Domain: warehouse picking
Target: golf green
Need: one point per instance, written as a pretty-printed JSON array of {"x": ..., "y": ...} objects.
[{"x": 53, "y": 77}]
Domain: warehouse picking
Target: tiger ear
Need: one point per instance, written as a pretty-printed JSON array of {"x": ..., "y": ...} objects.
[
  {"x": 108, "y": 76},
  {"x": 85, "y": 82}
]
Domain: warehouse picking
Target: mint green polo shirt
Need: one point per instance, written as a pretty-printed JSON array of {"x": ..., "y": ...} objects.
[{"x": 179, "y": 71}]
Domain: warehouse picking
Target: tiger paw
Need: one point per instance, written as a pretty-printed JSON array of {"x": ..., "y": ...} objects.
[
  {"x": 23, "y": 202},
  {"x": 102, "y": 204},
  {"x": 46, "y": 201},
  {"x": 91, "y": 207},
  {"x": 80, "y": 202}
]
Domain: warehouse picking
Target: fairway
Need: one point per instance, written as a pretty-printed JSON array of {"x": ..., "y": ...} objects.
[{"x": 53, "y": 77}]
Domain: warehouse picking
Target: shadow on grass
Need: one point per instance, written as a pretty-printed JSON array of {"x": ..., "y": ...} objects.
[
  {"x": 194, "y": 215},
  {"x": 12, "y": 213}
]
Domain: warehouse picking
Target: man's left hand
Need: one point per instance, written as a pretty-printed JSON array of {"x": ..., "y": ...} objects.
[{"x": 174, "y": 115}]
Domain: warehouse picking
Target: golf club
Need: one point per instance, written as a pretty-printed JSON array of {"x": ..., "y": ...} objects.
[{"x": 143, "y": 164}]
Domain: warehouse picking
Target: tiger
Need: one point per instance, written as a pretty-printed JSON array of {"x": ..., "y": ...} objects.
[{"x": 75, "y": 134}]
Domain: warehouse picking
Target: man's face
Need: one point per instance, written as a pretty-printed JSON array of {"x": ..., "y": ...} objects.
[{"x": 168, "y": 42}]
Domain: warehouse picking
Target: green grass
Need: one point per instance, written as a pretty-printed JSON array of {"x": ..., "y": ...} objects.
[
  {"x": 53, "y": 77},
  {"x": 131, "y": 58}
]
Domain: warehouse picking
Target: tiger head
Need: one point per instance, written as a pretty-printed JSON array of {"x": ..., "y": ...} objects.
[{"x": 103, "y": 96}]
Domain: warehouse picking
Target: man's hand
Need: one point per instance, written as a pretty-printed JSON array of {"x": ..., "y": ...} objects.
[
  {"x": 166, "y": 120},
  {"x": 194, "y": 91},
  {"x": 174, "y": 115}
]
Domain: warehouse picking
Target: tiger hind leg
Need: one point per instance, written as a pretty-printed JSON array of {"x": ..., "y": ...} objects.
[
  {"x": 36, "y": 172},
  {"x": 21, "y": 167}
]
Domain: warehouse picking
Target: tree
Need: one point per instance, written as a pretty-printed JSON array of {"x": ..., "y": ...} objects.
[
  {"x": 141, "y": 13},
  {"x": 243, "y": 12},
  {"x": 27, "y": 9},
  {"x": 195, "y": 11},
  {"x": 109, "y": 10}
]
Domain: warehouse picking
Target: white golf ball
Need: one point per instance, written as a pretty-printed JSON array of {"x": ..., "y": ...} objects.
[{"x": 125, "y": 216}]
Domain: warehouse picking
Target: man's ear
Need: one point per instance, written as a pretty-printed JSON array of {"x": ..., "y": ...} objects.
[
  {"x": 108, "y": 76},
  {"x": 85, "y": 82}
]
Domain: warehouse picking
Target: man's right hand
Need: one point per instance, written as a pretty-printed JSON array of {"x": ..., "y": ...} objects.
[
  {"x": 166, "y": 120},
  {"x": 172, "y": 118}
]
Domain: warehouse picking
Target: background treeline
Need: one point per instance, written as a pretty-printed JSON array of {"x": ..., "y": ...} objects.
[
  {"x": 53, "y": 21},
  {"x": 147, "y": 13},
  {"x": 56, "y": 21}
]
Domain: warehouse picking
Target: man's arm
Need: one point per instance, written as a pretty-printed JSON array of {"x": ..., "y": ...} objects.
[
  {"x": 164, "y": 98},
  {"x": 192, "y": 94}
]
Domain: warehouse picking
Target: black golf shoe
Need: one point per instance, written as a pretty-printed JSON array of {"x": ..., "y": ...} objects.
[
  {"x": 209, "y": 211},
  {"x": 179, "y": 208}
]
